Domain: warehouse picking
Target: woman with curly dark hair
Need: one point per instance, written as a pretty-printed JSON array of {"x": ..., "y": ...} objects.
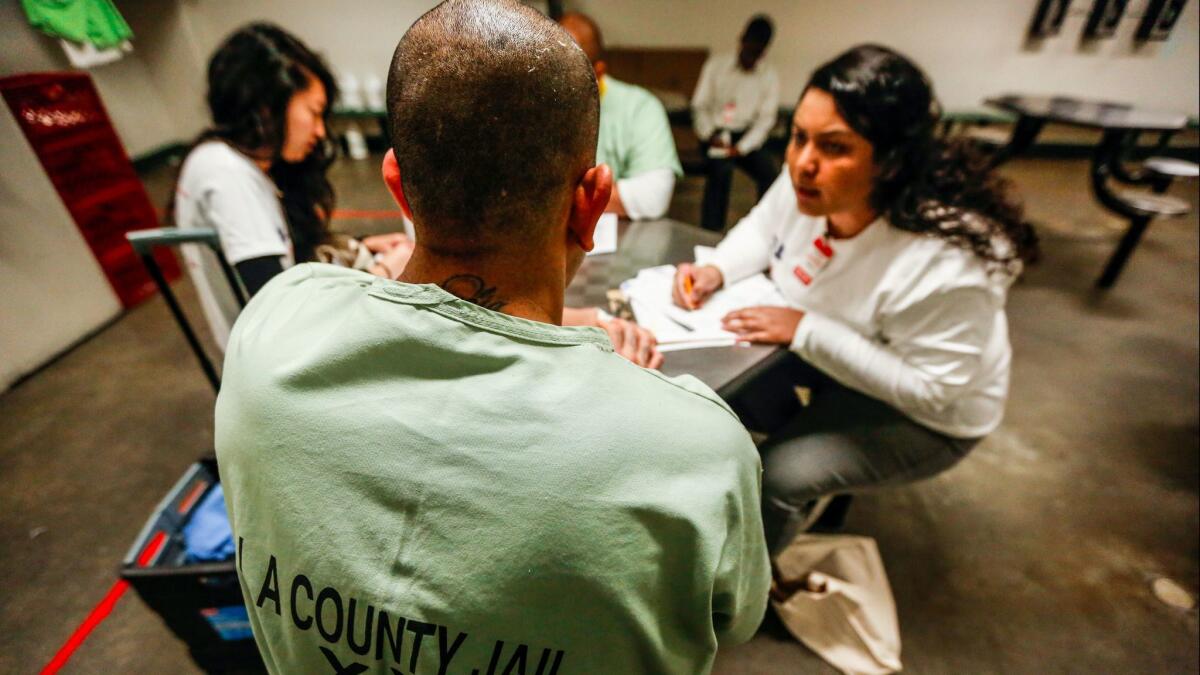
[
  {"x": 894, "y": 251},
  {"x": 258, "y": 174}
]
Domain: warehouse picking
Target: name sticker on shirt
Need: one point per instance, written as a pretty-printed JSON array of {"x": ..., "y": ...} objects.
[{"x": 814, "y": 259}]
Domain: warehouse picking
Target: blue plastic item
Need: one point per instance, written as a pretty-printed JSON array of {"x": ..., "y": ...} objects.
[{"x": 207, "y": 536}]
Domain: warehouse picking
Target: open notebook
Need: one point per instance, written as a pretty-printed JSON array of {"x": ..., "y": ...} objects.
[{"x": 677, "y": 328}]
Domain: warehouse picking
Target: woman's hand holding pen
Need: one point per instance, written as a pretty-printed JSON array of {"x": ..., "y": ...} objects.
[{"x": 694, "y": 285}]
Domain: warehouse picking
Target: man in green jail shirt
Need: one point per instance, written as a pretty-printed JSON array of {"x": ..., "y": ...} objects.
[
  {"x": 635, "y": 137},
  {"x": 432, "y": 475}
]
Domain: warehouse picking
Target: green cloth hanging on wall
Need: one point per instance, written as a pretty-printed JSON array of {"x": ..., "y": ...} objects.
[{"x": 95, "y": 22}]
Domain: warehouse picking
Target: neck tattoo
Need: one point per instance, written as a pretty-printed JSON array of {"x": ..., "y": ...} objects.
[{"x": 473, "y": 289}]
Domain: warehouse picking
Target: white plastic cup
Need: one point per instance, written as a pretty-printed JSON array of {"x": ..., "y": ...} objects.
[
  {"x": 350, "y": 94},
  {"x": 356, "y": 144},
  {"x": 372, "y": 92}
]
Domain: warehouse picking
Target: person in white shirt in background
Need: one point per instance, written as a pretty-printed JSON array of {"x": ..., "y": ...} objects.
[
  {"x": 895, "y": 250},
  {"x": 734, "y": 107}
]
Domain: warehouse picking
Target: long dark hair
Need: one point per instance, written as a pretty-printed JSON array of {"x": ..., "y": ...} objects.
[
  {"x": 940, "y": 187},
  {"x": 251, "y": 79}
]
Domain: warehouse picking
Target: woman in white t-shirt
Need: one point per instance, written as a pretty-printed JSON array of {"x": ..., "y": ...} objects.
[
  {"x": 895, "y": 251},
  {"x": 258, "y": 174}
]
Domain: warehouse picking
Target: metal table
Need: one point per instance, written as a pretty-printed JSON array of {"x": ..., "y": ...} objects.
[
  {"x": 1033, "y": 112},
  {"x": 757, "y": 380},
  {"x": 1121, "y": 125}
]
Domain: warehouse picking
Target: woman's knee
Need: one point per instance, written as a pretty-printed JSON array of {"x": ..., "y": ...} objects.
[{"x": 801, "y": 469}]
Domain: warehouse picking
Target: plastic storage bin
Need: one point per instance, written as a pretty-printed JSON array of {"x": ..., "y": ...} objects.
[{"x": 200, "y": 602}]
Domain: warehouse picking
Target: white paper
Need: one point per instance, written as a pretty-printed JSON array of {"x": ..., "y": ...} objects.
[
  {"x": 669, "y": 332},
  {"x": 605, "y": 238},
  {"x": 676, "y": 328}
]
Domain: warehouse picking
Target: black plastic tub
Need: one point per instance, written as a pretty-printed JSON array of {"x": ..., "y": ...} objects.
[{"x": 200, "y": 602}]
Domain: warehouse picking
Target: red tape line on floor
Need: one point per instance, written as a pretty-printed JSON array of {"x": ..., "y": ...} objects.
[
  {"x": 367, "y": 215},
  {"x": 98, "y": 614},
  {"x": 101, "y": 611}
]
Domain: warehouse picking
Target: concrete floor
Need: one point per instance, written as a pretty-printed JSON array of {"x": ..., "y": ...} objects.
[{"x": 1034, "y": 555}]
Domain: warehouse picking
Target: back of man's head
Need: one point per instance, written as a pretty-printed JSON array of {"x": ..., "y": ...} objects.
[
  {"x": 586, "y": 33},
  {"x": 759, "y": 30},
  {"x": 494, "y": 114}
]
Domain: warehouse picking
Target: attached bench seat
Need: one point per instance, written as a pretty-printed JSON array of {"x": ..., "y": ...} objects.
[
  {"x": 1154, "y": 205},
  {"x": 1172, "y": 168}
]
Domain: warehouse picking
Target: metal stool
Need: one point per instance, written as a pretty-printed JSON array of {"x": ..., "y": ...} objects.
[
  {"x": 1139, "y": 207},
  {"x": 1163, "y": 171}
]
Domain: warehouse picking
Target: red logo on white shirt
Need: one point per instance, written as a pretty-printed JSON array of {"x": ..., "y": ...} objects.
[{"x": 813, "y": 261}]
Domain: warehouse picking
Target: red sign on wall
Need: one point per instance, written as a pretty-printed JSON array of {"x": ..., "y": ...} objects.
[{"x": 65, "y": 122}]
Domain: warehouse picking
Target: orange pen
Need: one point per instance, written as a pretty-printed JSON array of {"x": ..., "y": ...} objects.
[{"x": 687, "y": 288}]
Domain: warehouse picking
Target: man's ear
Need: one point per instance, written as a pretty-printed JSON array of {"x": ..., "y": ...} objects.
[
  {"x": 601, "y": 68},
  {"x": 391, "y": 178},
  {"x": 588, "y": 201}
]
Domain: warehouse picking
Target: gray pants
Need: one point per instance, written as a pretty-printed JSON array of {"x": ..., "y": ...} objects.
[{"x": 845, "y": 441}]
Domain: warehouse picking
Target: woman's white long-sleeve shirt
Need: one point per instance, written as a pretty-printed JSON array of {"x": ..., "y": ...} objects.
[{"x": 911, "y": 320}]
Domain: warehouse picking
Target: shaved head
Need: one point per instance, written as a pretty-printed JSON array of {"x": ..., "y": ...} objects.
[
  {"x": 494, "y": 114},
  {"x": 586, "y": 33}
]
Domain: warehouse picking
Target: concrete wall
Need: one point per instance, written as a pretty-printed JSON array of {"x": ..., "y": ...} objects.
[
  {"x": 52, "y": 291},
  {"x": 136, "y": 105},
  {"x": 356, "y": 37},
  {"x": 167, "y": 42},
  {"x": 970, "y": 49}
]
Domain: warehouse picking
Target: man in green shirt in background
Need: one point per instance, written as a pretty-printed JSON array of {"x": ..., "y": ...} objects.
[
  {"x": 635, "y": 136},
  {"x": 432, "y": 475}
]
